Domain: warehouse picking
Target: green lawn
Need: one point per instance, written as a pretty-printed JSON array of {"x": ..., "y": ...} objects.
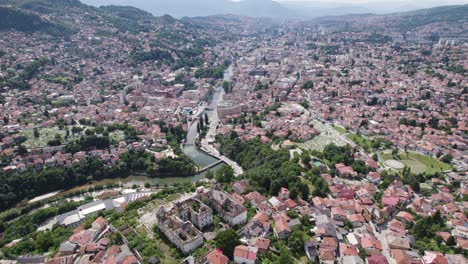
[
  {"x": 364, "y": 143},
  {"x": 418, "y": 163},
  {"x": 339, "y": 129}
]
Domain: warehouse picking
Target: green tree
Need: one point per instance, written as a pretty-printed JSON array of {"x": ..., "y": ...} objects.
[
  {"x": 447, "y": 158},
  {"x": 36, "y": 132},
  {"x": 285, "y": 256},
  {"x": 225, "y": 174},
  {"x": 227, "y": 240},
  {"x": 296, "y": 241},
  {"x": 209, "y": 174}
]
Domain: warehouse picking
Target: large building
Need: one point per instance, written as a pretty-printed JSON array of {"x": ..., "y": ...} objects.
[
  {"x": 227, "y": 207},
  {"x": 182, "y": 220},
  {"x": 182, "y": 233}
]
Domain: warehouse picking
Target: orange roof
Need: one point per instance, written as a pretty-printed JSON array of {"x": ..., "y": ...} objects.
[
  {"x": 216, "y": 256},
  {"x": 261, "y": 243},
  {"x": 326, "y": 254},
  {"x": 348, "y": 250},
  {"x": 261, "y": 217},
  {"x": 245, "y": 252},
  {"x": 329, "y": 242},
  {"x": 405, "y": 215},
  {"x": 281, "y": 225}
]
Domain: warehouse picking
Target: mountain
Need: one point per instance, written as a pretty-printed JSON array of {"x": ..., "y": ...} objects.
[
  {"x": 16, "y": 19},
  {"x": 418, "y": 18},
  {"x": 436, "y": 19},
  {"x": 192, "y": 8}
]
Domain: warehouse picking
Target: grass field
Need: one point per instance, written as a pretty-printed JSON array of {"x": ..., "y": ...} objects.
[
  {"x": 361, "y": 141},
  {"x": 339, "y": 129},
  {"x": 418, "y": 163}
]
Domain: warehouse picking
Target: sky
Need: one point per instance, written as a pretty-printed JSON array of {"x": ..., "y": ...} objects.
[{"x": 379, "y": 1}]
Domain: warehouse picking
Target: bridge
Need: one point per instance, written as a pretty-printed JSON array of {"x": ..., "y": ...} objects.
[{"x": 210, "y": 166}]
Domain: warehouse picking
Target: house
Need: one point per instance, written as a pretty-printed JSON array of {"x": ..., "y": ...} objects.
[
  {"x": 352, "y": 260},
  {"x": 216, "y": 256},
  {"x": 395, "y": 241},
  {"x": 357, "y": 220},
  {"x": 255, "y": 228},
  {"x": 281, "y": 229},
  {"x": 67, "y": 248},
  {"x": 261, "y": 243},
  {"x": 310, "y": 248},
  {"x": 241, "y": 186},
  {"x": 373, "y": 177},
  {"x": 400, "y": 256},
  {"x": 245, "y": 254},
  {"x": 347, "y": 194},
  {"x": 283, "y": 194},
  {"x": 397, "y": 226},
  {"x": 227, "y": 207},
  {"x": 345, "y": 171},
  {"x": 338, "y": 214},
  {"x": 371, "y": 244},
  {"x": 327, "y": 256},
  {"x": 376, "y": 259},
  {"x": 348, "y": 250},
  {"x": 30, "y": 259},
  {"x": 432, "y": 257},
  {"x": 255, "y": 198},
  {"x": 99, "y": 224},
  {"x": 456, "y": 259},
  {"x": 390, "y": 201},
  {"x": 329, "y": 243},
  {"x": 404, "y": 217}
]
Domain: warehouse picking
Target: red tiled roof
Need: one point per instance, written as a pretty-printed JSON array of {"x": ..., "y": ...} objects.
[
  {"x": 216, "y": 256},
  {"x": 245, "y": 252}
]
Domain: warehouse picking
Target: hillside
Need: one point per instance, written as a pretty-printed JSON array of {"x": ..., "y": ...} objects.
[
  {"x": 418, "y": 18},
  {"x": 451, "y": 17},
  {"x": 15, "y": 19}
]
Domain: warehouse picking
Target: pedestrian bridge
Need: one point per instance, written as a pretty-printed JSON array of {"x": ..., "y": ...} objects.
[{"x": 214, "y": 164}]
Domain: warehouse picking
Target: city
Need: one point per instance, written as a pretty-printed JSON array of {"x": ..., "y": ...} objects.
[{"x": 127, "y": 137}]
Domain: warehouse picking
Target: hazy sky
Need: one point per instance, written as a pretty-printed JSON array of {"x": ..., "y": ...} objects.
[{"x": 379, "y": 1}]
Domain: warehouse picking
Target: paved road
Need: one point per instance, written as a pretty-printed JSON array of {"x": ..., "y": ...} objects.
[
  {"x": 381, "y": 236},
  {"x": 211, "y": 134}
]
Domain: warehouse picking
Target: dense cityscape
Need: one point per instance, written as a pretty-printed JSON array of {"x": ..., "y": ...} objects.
[{"x": 132, "y": 138}]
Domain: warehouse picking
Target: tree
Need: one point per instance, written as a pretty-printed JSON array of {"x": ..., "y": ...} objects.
[
  {"x": 209, "y": 175},
  {"x": 36, "y": 132},
  {"x": 285, "y": 256},
  {"x": 207, "y": 122},
  {"x": 451, "y": 241},
  {"x": 22, "y": 150},
  {"x": 293, "y": 193},
  {"x": 225, "y": 174},
  {"x": 202, "y": 125},
  {"x": 227, "y": 240},
  {"x": 447, "y": 158},
  {"x": 296, "y": 241}
]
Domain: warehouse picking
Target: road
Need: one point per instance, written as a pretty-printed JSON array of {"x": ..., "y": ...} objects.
[
  {"x": 381, "y": 236},
  {"x": 211, "y": 133}
]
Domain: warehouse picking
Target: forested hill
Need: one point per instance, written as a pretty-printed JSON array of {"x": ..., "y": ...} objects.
[
  {"x": 418, "y": 18},
  {"x": 15, "y": 19},
  {"x": 55, "y": 17},
  {"x": 436, "y": 19}
]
